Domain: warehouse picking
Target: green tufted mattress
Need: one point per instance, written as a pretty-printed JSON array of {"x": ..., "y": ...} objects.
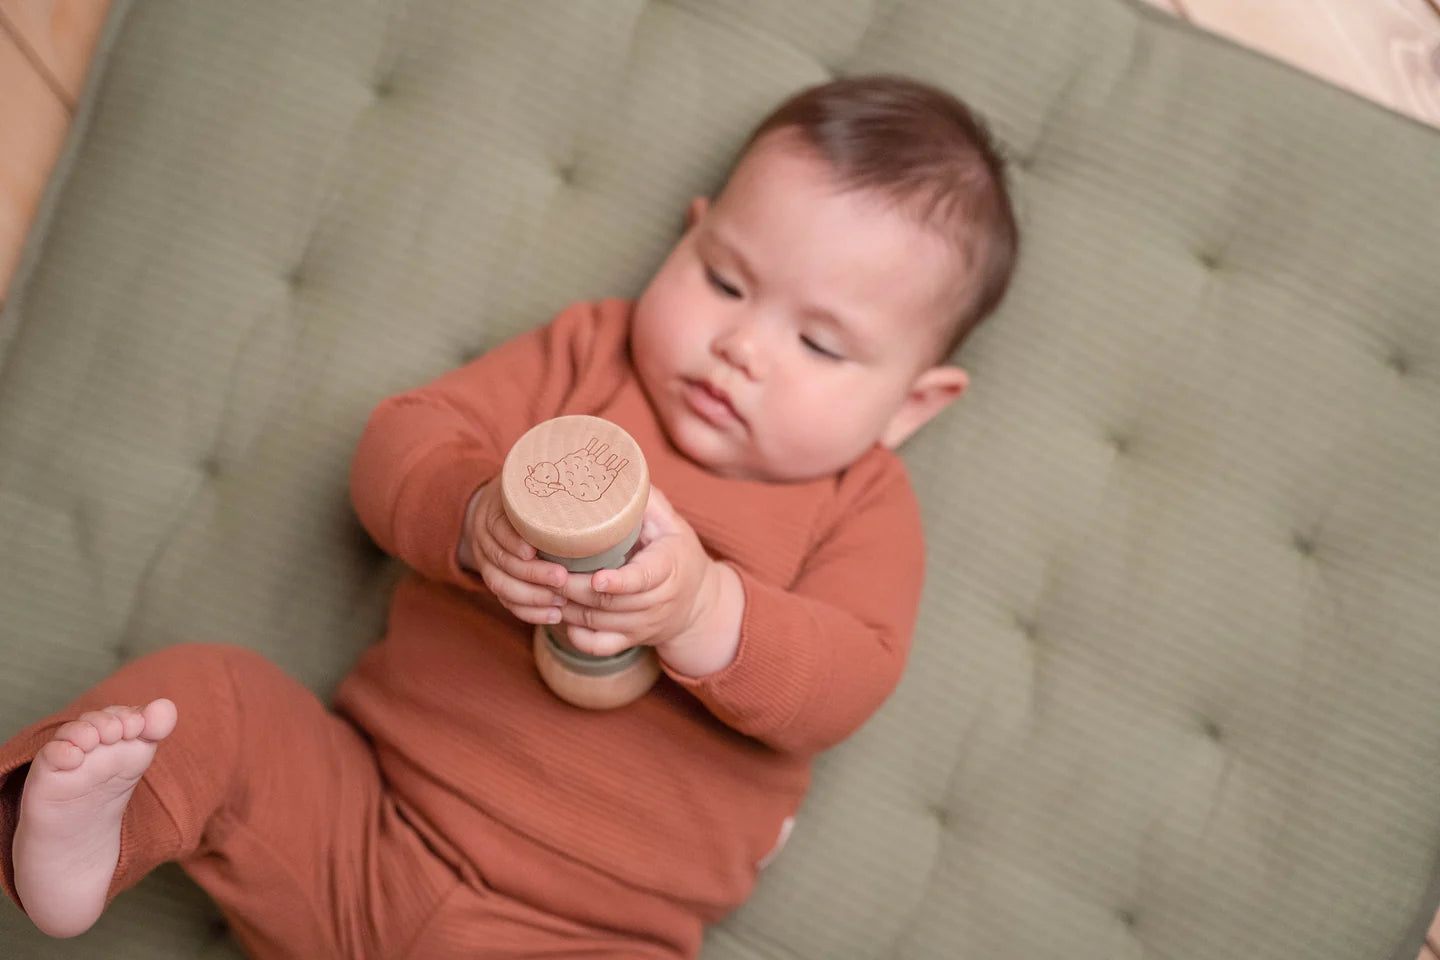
[{"x": 1176, "y": 685}]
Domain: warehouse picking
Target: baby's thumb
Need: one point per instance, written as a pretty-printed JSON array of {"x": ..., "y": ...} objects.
[{"x": 660, "y": 517}]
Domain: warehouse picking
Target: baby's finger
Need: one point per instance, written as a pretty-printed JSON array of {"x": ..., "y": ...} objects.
[
  {"x": 598, "y": 643},
  {"x": 550, "y": 615},
  {"x": 605, "y": 621},
  {"x": 513, "y": 591},
  {"x": 541, "y": 572},
  {"x": 577, "y": 589},
  {"x": 505, "y": 534},
  {"x": 647, "y": 570}
]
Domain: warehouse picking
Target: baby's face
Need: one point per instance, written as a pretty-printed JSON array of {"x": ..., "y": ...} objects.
[{"x": 793, "y": 324}]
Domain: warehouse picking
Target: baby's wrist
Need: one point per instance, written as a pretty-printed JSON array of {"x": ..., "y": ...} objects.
[
  {"x": 711, "y": 641},
  {"x": 464, "y": 552}
]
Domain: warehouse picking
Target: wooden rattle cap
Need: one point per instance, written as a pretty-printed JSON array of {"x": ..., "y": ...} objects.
[{"x": 575, "y": 487}]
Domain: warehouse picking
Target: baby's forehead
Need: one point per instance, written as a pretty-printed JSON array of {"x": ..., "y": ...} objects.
[
  {"x": 926, "y": 210},
  {"x": 784, "y": 186}
]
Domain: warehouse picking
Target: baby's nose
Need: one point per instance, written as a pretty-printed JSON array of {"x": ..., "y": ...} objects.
[{"x": 739, "y": 347}]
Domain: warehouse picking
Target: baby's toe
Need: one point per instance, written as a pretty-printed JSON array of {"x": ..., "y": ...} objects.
[
  {"x": 81, "y": 734},
  {"x": 109, "y": 726},
  {"x": 61, "y": 754},
  {"x": 131, "y": 719},
  {"x": 160, "y": 716}
]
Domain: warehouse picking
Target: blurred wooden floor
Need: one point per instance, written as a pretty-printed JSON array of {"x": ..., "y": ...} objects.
[
  {"x": 45, "y": 47},
  {"x": 1387, "y": 50}
]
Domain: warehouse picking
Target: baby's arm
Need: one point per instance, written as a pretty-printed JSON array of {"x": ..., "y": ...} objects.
[
  {"x": 816, "y": 660},
  {"x": 425, "y": 452}
]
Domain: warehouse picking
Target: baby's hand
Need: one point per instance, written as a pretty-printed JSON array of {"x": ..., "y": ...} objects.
[
  {"x": 655, "y": 599},
  {"x": 491, "y": 547}
]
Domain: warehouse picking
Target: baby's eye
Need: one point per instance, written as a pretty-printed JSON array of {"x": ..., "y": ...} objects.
[
  {"x": 817, "y": 349},
  {"x": 720, "y": 283}
]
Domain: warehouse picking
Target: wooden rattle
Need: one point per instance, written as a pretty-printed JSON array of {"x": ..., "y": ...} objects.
[{"x": 575, "y": 489}]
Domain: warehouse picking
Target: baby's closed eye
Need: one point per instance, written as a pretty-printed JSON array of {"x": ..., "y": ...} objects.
[
  {"x": 816, "y": 348},
  {"x": 724, "y": 286}
]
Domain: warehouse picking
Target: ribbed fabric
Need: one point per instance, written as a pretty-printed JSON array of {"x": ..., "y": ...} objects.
[
  {"x": 667, "y": 804},
  {"x": 438, "y": 508}
]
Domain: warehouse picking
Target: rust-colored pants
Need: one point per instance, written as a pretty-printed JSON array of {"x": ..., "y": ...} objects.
[{"x": 275, "y": 806}]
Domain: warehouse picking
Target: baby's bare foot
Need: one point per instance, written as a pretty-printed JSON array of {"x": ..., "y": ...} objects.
[{"x": 67, "y": 841}]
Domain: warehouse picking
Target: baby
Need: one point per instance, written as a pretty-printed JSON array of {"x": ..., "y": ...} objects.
[{"x": 450, "y": 805}]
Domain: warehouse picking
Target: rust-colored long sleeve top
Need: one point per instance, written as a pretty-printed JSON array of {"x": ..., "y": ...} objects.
[{"x": 681, "y": 794}]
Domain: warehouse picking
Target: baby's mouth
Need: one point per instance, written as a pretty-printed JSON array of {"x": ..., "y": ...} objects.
[{"x": 712, "y": 403}]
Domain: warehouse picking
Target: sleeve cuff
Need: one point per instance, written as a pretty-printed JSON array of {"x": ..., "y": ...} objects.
[
  {"x": 765, "y": 687},
  {"x": 431, "y": 516}
]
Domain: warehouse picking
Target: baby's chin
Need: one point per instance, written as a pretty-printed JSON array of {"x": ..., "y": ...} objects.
[
  {"x": 702, "y": 445},
  {"x": 705, "y": 448}
]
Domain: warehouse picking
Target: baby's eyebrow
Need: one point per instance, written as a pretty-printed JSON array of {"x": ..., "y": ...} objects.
[{"x": 718, "y": 239}]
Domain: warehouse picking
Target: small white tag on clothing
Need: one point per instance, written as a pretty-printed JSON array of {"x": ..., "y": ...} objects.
[{"x": 786, "y": 829}]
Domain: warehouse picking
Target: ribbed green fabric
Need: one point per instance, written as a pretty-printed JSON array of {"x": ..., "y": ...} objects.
[{"x": 1176, "y": 686}]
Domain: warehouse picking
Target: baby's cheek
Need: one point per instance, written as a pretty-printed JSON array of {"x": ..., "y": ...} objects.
[
  {"x": 818, "y": 437},
  {"x": 649, "y": 350}
]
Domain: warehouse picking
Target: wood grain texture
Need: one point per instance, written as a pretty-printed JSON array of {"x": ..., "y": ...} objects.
[
  {"x": 1387, "y": 50},
  {"x": 575, "y": 486},
  {"x": 33, "y": 121},
  {"x": 61, "y": 34}
]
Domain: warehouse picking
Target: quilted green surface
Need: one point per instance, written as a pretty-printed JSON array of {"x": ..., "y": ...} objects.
[{"x": 1176, "y": 686}]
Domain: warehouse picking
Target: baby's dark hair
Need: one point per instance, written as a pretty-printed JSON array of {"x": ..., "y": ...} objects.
[{"x": 924, "y": 148}]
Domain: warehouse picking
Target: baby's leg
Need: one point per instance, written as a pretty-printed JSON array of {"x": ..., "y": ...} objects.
[{"x": 271, "y": 803}]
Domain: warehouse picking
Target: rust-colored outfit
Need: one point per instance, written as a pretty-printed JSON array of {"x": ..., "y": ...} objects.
[{"x": 455, "y": 806}]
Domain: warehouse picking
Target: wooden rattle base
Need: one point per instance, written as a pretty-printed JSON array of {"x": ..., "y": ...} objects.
[{"x": 595, "y": 683}]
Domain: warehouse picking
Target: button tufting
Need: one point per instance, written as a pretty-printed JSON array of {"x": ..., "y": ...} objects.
[
  {"x": 210, "y": 466},
  {"x": 1399, "y": 363},
  {"x": 1209, "y": 260},
  {"x": 384, "y": 87},
  {"x": 296, "y": 277},
  {"x": 567, "y": 171},
  {"x": 1127, "y": 917},
  {"x": 1027, "y": 626},
  {"x": 1212, "y": 730},
  {"x": 1120, "y": 441},
  {"x": 1304, "y": 543}
]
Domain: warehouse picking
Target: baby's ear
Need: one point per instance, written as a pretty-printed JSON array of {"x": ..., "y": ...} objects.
[
  {"x": 696, "y": 210},
  {"x": 932, "y": 391}
]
